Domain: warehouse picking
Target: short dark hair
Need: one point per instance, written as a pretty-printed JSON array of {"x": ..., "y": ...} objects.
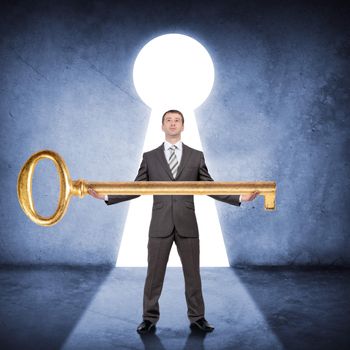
[{"x": 173, "y": 111}]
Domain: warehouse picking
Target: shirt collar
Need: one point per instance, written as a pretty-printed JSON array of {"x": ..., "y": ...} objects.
[{"x": 178, "y": 144}]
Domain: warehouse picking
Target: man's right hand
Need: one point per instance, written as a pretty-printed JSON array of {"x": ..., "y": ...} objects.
[{"x": 94, "y": 194}]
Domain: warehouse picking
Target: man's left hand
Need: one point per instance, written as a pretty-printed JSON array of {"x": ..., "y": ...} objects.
[{"x": 249, "y": 197}]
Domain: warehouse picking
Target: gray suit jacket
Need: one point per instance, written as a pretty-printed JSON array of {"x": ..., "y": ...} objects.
[{"x": 173, "y": 211}]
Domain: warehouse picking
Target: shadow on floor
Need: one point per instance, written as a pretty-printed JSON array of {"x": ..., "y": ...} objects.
[
  {"x": 39, "y": 306},
  {"x": 304, "y": 308},
  {"x": 195, "y": 340}
]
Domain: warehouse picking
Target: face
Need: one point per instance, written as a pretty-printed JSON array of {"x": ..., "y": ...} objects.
[{"x": 172, "y": 125}]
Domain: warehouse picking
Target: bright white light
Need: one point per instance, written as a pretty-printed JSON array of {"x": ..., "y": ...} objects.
[{"x": 172, "y": 72}]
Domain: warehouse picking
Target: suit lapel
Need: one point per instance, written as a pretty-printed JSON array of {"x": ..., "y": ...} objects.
[
  {"x": 186, "y": 152},
  {"x": 163, "y": 161}
]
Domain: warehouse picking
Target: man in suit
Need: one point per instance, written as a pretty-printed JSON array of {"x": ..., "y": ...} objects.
[{"x": 173, "y": 219}]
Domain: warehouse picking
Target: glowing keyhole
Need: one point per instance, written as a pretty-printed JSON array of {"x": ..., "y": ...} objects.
[{"x": 172, "y": 71}]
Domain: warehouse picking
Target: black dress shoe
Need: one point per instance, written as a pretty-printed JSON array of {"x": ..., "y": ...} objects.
[
  {"x": 146, "y": 327},
  {"x": 202, "y": 325}
]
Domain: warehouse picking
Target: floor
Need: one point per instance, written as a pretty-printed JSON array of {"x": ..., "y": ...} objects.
[{"x": 100, "y": 308}]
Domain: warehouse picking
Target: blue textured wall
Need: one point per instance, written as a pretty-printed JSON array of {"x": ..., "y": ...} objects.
[{"x": 279, "y": 110}]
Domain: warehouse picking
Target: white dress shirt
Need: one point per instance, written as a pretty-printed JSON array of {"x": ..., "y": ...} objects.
[
  {"x": 178, "y": 150},
  {"x": 178, "y": 153}
]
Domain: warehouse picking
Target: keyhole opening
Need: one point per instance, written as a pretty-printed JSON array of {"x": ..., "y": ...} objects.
[{"x": 172, "y": 71}]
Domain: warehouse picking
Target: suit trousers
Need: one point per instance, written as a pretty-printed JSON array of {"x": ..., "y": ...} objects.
[{"x": 158, "y": 255}]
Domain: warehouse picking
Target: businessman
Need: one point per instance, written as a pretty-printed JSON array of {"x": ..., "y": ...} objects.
[{"x": 173, "y": 220}]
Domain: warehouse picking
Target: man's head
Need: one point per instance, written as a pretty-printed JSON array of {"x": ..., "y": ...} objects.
[
  {"x": 173, "y": 111},
  {"x": 173, "y": 124}
]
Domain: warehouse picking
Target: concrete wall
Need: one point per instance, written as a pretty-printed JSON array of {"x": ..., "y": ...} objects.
[{"x": 279, "y": 110}]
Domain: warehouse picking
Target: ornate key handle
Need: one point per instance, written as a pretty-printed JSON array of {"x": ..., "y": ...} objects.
[
  {"x": 24, "y": 188},
  {"x": 69, "y": 188}
]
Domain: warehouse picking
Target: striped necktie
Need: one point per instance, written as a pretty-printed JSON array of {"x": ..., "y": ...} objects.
[{"x": 173, "y": 163}]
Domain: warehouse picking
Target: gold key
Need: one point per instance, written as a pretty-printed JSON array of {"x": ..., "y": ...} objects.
[{"x": 69, "y": 188}]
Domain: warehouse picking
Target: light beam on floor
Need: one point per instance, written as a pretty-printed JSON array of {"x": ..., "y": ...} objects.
[{"x": 109, "y": 321}]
